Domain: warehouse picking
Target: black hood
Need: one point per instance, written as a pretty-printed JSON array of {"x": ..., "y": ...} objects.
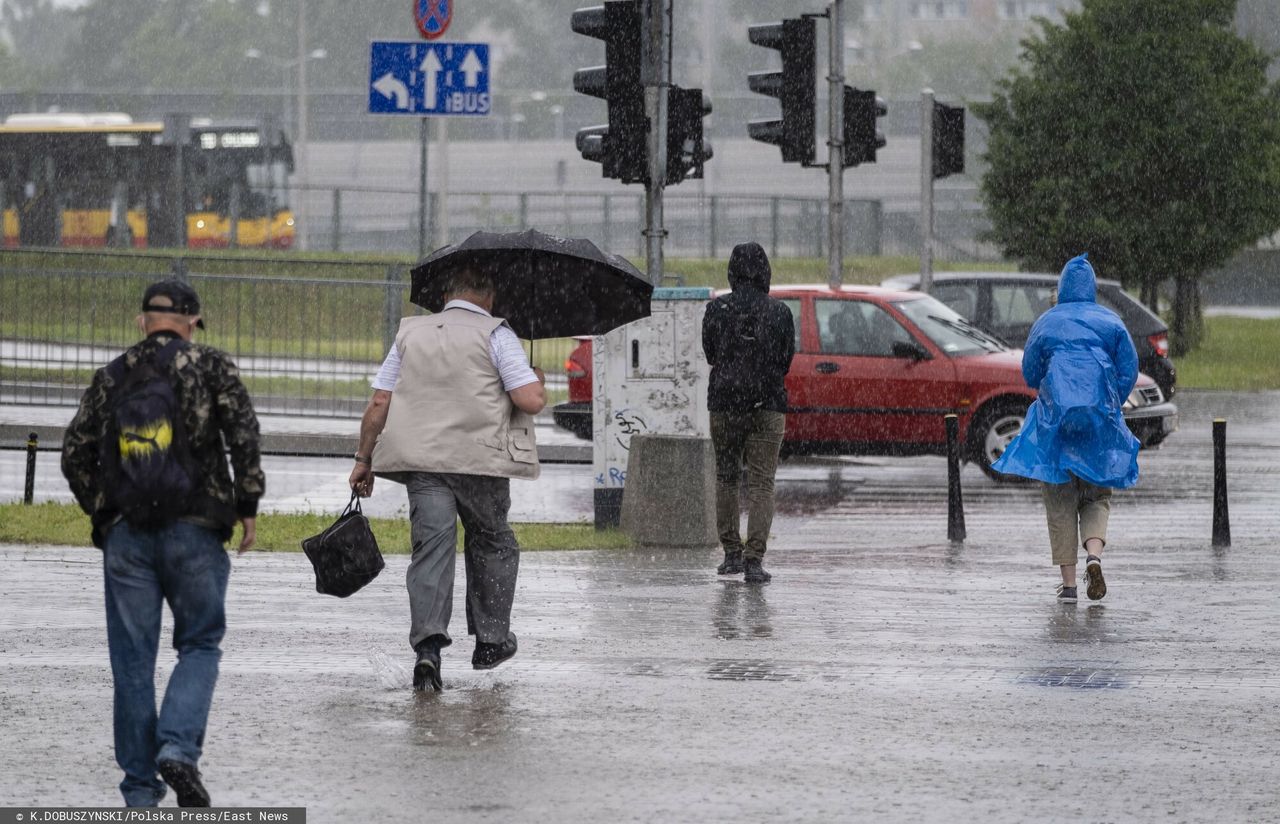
[{"x": 749, "y": 266}]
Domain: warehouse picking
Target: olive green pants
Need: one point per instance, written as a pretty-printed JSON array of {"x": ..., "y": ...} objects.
[
  {"x": 1076, "y": 511},
  {"x": 753, "y": 439}
]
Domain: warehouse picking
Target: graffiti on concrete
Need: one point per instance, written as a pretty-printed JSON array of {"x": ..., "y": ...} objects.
[{"x": 629, "y": 423}]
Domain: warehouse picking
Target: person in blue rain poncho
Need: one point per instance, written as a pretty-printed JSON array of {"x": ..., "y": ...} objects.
[{"x": 1080, "y": 359}]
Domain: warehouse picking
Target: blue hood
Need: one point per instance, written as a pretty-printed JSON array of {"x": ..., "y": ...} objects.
[{"x": 1077, "y": 283}]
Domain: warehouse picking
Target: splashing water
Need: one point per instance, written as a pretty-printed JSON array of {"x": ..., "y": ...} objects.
[{"x": 392, "y": 675}]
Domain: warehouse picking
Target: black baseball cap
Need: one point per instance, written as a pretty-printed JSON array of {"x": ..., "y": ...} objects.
[{"x": 184, "y": 298}]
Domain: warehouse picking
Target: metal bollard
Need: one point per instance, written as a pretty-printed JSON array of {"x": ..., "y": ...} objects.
[
  {"x": 1221, "y": 518},
  {"x": 955, "y": 500},
  {"x": 28, "y": 495}
]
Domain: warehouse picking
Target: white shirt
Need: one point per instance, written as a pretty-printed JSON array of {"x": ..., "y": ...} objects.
[{"x": 505, "y": 352}]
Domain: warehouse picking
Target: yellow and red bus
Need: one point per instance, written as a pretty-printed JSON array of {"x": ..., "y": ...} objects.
[{"x": 70, "y": 179}]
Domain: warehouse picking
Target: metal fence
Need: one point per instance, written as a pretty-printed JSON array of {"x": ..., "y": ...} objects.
[
  {"x": 309, "y": 335},
  {"x": 386, "y": 220},
  {"x": 304, "y": 346}
]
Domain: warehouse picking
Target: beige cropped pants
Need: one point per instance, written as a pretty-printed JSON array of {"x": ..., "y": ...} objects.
[{"x": 1076, "y": 511}]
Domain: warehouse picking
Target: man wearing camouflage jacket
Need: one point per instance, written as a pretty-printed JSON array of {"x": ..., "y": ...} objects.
[{"x": 181, "y": 561}]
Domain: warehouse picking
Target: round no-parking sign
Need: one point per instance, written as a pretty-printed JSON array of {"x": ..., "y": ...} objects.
[{"x": 432, "y": 17}]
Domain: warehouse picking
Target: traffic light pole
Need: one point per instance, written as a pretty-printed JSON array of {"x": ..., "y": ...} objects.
[
  {"x": 926, "y": 190},
  {"x": 656, "y": 77},
  {"x": 835, "y": 153}
]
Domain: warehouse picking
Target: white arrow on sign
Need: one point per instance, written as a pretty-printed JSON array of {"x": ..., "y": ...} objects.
[
  {"x": 431, "y": 66},
  {"x": 472, "y": 68},
  {"x": 388, "y": 86}
]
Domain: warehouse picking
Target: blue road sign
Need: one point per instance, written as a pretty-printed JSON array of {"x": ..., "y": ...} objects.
[{"x": 447, "y": 79}]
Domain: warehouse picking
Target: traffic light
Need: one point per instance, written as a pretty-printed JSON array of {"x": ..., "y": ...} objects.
[
  {"x": 948, "y": 140},
  {"x": 621, "y": 147},
  {"x": 861, "y": 136},
  {"x": 687, "y": 148},
  {"x": 793, "y": 86}
]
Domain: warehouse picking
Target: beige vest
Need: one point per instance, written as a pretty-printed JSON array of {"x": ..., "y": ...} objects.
[{"x": 449, "y": 412}]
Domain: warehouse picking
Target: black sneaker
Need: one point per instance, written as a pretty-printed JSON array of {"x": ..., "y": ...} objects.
[
  {"x": 1093, "y": 580},
  {"x": 426, "y": 673},
  {"x": 1066, "y": 594},
  {"x": 488, "y": 656},
  {"x": 753, "y": 569},
  {"x": 732, "y": 564},
  {"x": 184, "y": 778}
]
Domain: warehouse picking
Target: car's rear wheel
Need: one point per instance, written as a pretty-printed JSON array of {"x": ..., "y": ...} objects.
[{"x": 990, "y": 434}]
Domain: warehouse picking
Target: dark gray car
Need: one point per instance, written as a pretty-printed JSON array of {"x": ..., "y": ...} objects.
[{"x": 1007, "y": 303}]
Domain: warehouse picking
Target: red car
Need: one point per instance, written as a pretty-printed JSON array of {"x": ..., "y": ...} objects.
[{"x": 876, "y": 370}]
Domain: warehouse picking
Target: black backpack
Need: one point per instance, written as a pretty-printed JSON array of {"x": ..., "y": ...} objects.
[{"x": 147, "y": 466}]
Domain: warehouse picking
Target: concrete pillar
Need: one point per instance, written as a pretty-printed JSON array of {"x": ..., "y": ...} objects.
[{"x": 670, "y": 497}]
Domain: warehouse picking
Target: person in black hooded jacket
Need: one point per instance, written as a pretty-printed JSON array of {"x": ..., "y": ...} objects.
[{"x": 749, "y": 340}]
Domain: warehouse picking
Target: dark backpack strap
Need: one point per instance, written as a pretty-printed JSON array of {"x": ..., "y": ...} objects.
[{"x": 116, "y": 370}]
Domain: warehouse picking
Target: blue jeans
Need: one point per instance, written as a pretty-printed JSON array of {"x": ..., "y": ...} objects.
[{"x": 187, "y": 566}]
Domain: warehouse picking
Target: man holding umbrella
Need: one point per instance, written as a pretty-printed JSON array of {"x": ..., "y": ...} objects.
[{"x": 451, "y": 419}]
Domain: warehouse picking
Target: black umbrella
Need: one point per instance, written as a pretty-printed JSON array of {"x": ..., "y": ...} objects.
[{"x": 547, "y": 286}]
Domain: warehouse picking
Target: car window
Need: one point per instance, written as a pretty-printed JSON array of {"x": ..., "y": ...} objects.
[
  {"x": 794, "y": 305},
  {"x": 962, "y": 297},
  {"x": 857, "y": 327},
  {"x": 1018, "y": 304},
  {"x": 1138, "y": 318},
  {"x": 945, "y": 327}
]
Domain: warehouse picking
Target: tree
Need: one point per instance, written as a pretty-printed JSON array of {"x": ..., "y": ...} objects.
[
  {"x": 33, "y": 36},
  {"x": 1145, "y": 133}
]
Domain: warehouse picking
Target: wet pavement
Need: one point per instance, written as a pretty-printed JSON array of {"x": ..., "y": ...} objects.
[{"x": 884, "y": 673}]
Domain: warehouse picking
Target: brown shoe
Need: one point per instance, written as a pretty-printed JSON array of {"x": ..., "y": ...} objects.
[{"x": 1096, "y": 585}]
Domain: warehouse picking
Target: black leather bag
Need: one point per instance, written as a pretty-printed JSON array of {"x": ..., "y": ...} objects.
[{"x": 345, "y": 555}]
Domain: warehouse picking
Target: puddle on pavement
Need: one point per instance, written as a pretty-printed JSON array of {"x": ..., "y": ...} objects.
[
  {"x": 741, "y": 611},
  {"x": 1079, "y": 624}
]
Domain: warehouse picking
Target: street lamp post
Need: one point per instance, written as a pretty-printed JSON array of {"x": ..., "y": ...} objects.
[{"x": 288, "y": 67}]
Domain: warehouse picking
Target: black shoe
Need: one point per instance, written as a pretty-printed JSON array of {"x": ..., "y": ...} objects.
[
  {"x": 426, "y": 673},
  {"x": 1066, "y": 594},
  {"x": 1093, "y": 580},
  {"x": 184, "y": 778},
  {"x": 753, "y": 569},
  {"x": 732, "y": 564},
  {"x": 488, "y": 656}
]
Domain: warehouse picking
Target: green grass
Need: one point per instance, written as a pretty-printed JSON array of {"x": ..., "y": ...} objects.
[
  {"x": 353, "y": 265},
  {"x": 291, "y": 311},
  {"x": 287, "y": 308},
  {"x": 65, "y": 525},
  {"x": 1241, "y": 354},
  {"x": 857, "y": 270}
]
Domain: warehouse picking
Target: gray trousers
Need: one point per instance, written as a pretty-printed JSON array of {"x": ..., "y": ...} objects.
[{"x": 492, "y": 556}]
